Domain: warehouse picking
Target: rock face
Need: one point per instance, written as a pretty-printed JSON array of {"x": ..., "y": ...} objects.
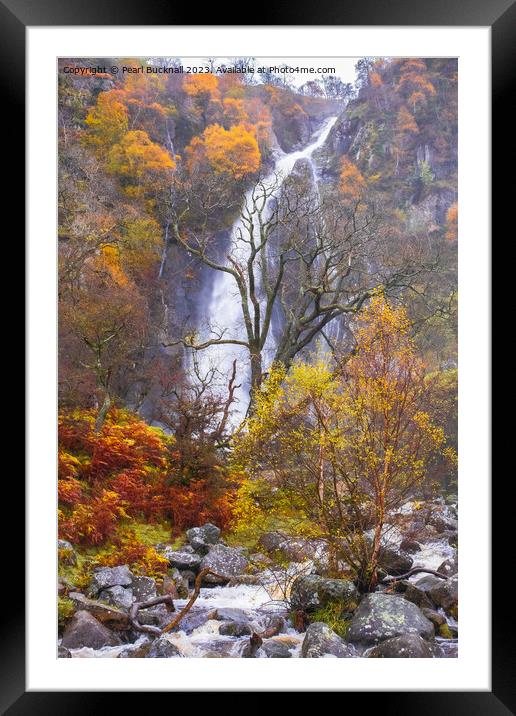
[
  {"x": 309, "y": 592},
  {"x": 226, "y": 561},
  {"x": 408, "y": 646},
  {"x": 106, "y": 577},
  {"x": 85, "y": 630},
  {"x": 201, "y": 538},
  {"x": 384, "y": 616},
  {"x": 321, "y": 641}
]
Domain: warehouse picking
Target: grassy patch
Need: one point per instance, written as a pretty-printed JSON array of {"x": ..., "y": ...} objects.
[{"x": 331, "y": 615}]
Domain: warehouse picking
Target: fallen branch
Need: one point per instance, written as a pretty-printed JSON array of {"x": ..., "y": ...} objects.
[
  {"x": 414, "y": 570},
  {"x": 135, "y": 608},
  {"x": 191, "y": 601}
]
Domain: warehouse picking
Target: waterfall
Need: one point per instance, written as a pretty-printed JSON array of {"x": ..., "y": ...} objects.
[{"x": 224, "y": 311}]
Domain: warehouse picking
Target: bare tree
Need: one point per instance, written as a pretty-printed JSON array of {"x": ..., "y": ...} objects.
[{"x": 307, "y": 258}]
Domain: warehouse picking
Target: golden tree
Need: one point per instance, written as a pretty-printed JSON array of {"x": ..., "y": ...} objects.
[{"x": 349, "y": 446}]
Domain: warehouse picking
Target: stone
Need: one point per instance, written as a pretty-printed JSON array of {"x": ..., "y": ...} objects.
[
  {"x": 436, "y": 618},
  {"x": 235, "y": 629},
  {"x": 118, "y": 596},
  {"x": 106, "y": 577},
  {"x": 410, "y": 546},
  {"x": 417, "y": 596},
  {"x": 201, "y": 538},
  {"x": 446, "y": 594},
  {"x": 276, "y": 649},
  {"x": 182, "y": 560},
  {"x": 225, "y": 561},
  {"x": 251, "y": 579},
  {"x": 63, "y": 653},
  {"x": 226, "y": 614},
  {"x": 103, "y": 612},
  {"x": 320, "y": 641},
  {"x": 310, "y": 592},
  {"x": 394, "y": 561},
  {"x": 162, "y": 648},
  {"x": 290, "y": 548},
  {"x": 407, "y": 646},
  {"x": 144, "y": 588},
  {"x": 85, "y": 630},
  {"x": 383, "y": 616},
  {"x": 449, "y": 567}
]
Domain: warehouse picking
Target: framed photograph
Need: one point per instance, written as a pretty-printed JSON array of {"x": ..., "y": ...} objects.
[{"x": 258, "y": 289}]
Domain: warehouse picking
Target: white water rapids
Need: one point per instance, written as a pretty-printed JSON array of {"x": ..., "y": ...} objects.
[{"x": 224, "y": 310}]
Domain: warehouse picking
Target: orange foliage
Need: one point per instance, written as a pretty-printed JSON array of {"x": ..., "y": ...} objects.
[
  {"x": 131, "y": 470},
  {"x": 406, "y": 122},
  {"x": 201, "y": 85},
  {"x": 352, "y": 184},
  {"x": 107, "y": 121},
  {"x": 142, "y": 559},
  {"x": 452, "y": 220},
  {"x": 140, "y": 162},
  {"x": 234, "y": 151}
]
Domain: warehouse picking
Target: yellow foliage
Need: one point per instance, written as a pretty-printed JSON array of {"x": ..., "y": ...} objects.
[
  {"x": 234, "y": 151},
  {"x": 107, "y": 121}
]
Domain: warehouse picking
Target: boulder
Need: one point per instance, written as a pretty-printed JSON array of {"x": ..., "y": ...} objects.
[
  {"x": 162, "y": 648},
  {"x": 449, "y": 567},
  {"x": 201, "y": 538},
  {"x": 289, "y": 548},
  {"x": 394, "y": 561},
  {"x": 276, "y": 649},
  {"x": 416, "y": 595},
  {"x": 321, "y": 641},
  {"x": 410, "y": 546},
  {"x": 310, "y": 592},
  {"x": 63, "y": 653},
  {"x": 225, "y": 561},
  {"x": 383, "y": 616},
  {"x": 105, "y": 577},
  {"x": 446, "y": 594},
  {"x": 102, "y": 612},
  {"x": 407, "y": 646},
  {"x": 235, "y": 629},
  {"x": 121, "y": 597},
  {"x": 144, "y": 588},
  {"x": 176, "y": 585},
  {"x": 231, "y": 614},
  {"x": 182, "y": 560},
  {"x": 85, "y": 630}
]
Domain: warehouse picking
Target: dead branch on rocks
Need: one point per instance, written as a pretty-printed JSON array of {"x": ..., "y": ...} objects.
[
  {"x": 197, "y": 588},
  {"x": 135, "y": 608},
  {"x": 414, "y": 570}
]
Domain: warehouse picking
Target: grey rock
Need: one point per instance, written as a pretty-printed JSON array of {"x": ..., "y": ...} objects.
[
  {"x": 63, "y": 653},
  {"x": 162, "y": 649},
  {"x": 182, "y": 560},
  {"x": 201, "y": 538},
  {"x": 85, "y": 630},
  {"x": 394, "y": 562},
  {"x": 226, "y": 614},
  {"x": 320, "y": 641},
  {"x": 383, "y": 616},
  {"x": 309, "y": 592},
  {"x": 446, "y": 594},
  {"x": 144, "y": 588},
  {"x": 225, "y": 561},
  {"x": 407, "y": 646},
  {"x": 276, "y": 649},
  {"x": 235, "y": 629},
  {"x": 449, "y": 567},
  {"x": 410, "y": 546},
  {"x": 106, "y": 577},
  {"x": 118, "y": 596}
]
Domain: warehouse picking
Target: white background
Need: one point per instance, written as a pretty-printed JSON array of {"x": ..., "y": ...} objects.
[{"x": 472, "y": 669}]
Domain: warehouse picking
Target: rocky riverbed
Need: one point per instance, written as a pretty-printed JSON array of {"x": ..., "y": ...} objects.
[{"x": 249, "y": 607}]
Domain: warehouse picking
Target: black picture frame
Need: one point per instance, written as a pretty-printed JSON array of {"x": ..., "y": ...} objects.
[{"x": 500, "y": 16}]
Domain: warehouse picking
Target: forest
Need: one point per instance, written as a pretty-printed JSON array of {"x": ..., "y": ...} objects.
[{"x": 257, "y": 304}]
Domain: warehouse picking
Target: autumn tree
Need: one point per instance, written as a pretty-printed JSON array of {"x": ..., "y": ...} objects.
[
  {"x": 233, "y": 152},
  {"x": 348, "y": 446},
  {"x": 141, "y": 164},
  {"x": 103, "y": 326}
]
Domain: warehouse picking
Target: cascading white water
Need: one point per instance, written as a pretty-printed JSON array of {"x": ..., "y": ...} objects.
[{"x": 224, "y": 311}]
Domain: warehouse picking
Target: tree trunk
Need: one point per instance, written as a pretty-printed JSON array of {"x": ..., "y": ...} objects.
[{"x": 99, "y": 422}]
